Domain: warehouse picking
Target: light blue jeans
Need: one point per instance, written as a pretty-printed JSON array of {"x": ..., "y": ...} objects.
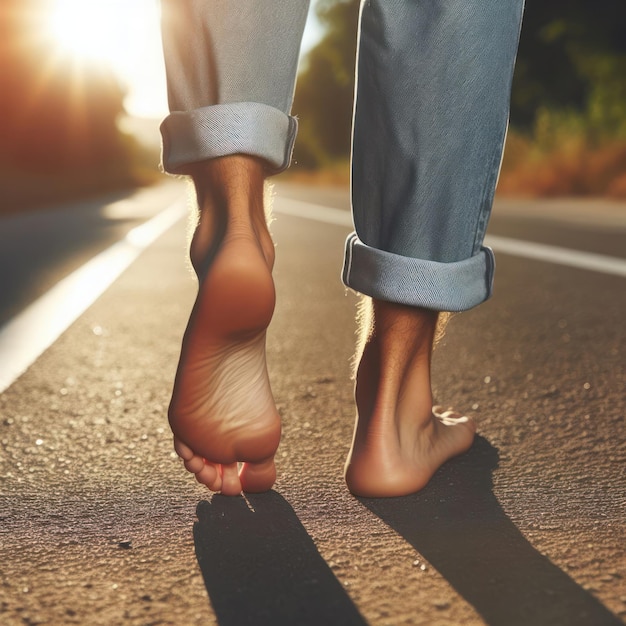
[{"x": 431, "y": 112}]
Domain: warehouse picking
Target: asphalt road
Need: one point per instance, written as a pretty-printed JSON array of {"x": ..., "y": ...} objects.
[{"x": 99, "y": 524}]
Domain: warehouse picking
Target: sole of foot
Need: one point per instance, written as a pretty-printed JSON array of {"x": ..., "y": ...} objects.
[{"x": 222, "y": 413}]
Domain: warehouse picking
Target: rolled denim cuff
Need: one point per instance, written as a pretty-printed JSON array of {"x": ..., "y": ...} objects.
[
  {"x": 222, "y": 129},
  {"x": 385, "y": 276}
]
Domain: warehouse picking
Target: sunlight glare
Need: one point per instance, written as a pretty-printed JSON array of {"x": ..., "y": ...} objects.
[
  {"x": 85, "y": 29},
  {"x": 123, "y": 35}
]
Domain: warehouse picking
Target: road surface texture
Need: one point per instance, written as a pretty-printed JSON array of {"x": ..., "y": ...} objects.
[{"x": 100, "y": 524}]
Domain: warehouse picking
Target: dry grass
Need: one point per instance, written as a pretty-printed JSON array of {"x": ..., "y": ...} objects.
[{"x": 566, "y": 165}]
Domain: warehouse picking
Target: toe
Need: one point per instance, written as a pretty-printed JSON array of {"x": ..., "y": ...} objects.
[
  {"x": 231, "y": 485},
  {"x": 194, "y": 464},
  {"x": 216, "y": 485},
  {"x": 209, "y": 476},
  {"x": 258, "y": 477},
  {"x": 183, "y": 450}
]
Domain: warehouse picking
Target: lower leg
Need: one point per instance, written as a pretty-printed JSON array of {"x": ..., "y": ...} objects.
[
  {"x": 399, "y": 439},
  {"x": 423, "y": 179},
  {"x": 222, "y": 411},
  {"x": 231, "y": 70}
]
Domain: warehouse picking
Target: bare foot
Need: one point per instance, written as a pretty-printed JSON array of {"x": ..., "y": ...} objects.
[
  {"x": 400, "y": 439},
  {"x": 222, "y": 411}
]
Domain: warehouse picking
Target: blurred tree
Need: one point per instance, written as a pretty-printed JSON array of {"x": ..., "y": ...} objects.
[
  {"x": 572, "y": 56},
  {"x": 323, "y": 101},
  {"x": 56, "y": 112},
  {"x": 572, "y": 59}
]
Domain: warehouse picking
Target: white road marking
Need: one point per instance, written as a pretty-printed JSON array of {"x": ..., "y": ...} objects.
[
  {"x": 25, "y": 337},
  {"x": 561, "y": 256},
  {"x": 504, "y": 245},
  {"x": 316, "y": 212}
]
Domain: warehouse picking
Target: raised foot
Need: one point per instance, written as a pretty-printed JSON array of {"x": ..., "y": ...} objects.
[
  {"x": 225, "y": 423},
  {"x": 392, "y": 462}
]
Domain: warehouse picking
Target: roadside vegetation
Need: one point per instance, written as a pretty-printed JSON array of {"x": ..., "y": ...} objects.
[
  {"x": 568, "y": 105},
  {"x": 60, "y": 139},
  {"x": 58, "y": 120}
]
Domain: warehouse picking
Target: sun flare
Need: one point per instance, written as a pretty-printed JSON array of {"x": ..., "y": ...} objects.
[
  {"x": 123, "y": 35},
  {"x": 84, "y": 30},
  {"x": 120, "y": 34}
]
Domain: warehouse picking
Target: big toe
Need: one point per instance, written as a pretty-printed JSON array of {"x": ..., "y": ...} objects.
[{"x": 258, "y": 477}]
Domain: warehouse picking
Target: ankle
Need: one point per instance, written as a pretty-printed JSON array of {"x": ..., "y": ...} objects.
[
  {"x": 391, "y": 321},
  {"x": 231, "y": 181},
  {"x": 393, "y": 375},
  {"x": 231, "y": 197},
  {"x": 403, "y": 335}
]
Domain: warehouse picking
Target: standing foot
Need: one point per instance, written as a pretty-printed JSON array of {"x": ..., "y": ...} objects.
[
  {"x": 222, "y": 413},
  {"x": 400, "y": 439}
]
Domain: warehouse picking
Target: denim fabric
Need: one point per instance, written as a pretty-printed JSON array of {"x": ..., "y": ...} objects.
[
  {"x": 239, "y": 127},
  {"x": 431, "y": 111},
  {"x": 404, "y": 280},
  {"x": 434, "y": 81},
  {"x": 231, "y": 70}
]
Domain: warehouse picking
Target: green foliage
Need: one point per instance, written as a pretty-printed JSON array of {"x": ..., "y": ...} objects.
[
  {"x": 572, "y": 57},
  {"x": 568, "y": 109},
  {"x": 323, "y": 101},
  {"x": 568, "y": 103}
]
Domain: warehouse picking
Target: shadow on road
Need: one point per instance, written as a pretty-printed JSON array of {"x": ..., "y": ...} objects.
[
  {"x": 458, "y": 525},
  {"x": 261, "y": 567}
]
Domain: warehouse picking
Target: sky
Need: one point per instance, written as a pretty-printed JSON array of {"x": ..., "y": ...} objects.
[{"x": 125, "y": 34}]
